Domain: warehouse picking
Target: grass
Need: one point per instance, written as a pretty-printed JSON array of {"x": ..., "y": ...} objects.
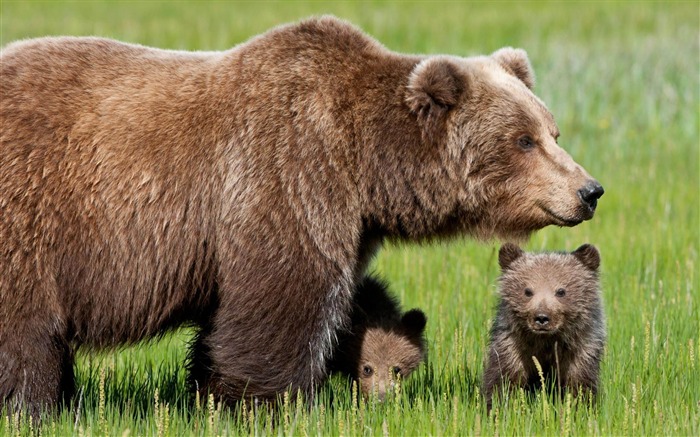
[{"x": 621, "y": 78}]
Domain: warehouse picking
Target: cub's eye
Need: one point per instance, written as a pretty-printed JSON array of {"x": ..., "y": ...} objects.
[
  {"x": 528, "y": 292},
  {"x": 396, "y": 371},
  {"x": 526, "y": 143},
  {"x": 560, "y": 292},
  {"x": 367, "y": 371}
]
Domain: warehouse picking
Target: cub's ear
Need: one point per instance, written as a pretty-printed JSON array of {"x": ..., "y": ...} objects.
[
  {"x": 433, "y": 88},
  {"x": 509, "y": 252},
  {"x": 589, "y": 256},
  {"x": 413, "y": 322},
  {"x": 516, "y": 62}
]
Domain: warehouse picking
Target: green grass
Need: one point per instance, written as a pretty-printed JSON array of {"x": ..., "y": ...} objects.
[{"x": 623, "y": 82}]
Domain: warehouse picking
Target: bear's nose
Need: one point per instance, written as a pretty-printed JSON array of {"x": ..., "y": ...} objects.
[
  {"x": 590, "y": 194},
  {"x": 541, "y": 319}
]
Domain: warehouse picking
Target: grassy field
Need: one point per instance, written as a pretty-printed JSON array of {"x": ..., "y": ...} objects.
[{"x": 622, "y": 80}]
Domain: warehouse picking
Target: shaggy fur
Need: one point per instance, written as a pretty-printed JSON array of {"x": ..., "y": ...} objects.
[
  {"x": 382, "y": 344},
  {"x": 550, "y": 309},
  {"x": 244, "y": 192}
]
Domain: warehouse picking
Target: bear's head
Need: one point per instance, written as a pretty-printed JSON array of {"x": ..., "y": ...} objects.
[
  {"x": 389, "y": 354},
  {"x": 550, "y": 293},
  {"x": 502, "y": 172}
]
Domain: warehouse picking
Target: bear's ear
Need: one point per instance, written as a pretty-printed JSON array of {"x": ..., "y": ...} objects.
[
  {"x": 433, "y": 88},
  {"x": 509, "y": 252},
  {"x": 413, "y": 322},
  {"x": 516, "y": 62},
  {"x": 589, "y": 256}
]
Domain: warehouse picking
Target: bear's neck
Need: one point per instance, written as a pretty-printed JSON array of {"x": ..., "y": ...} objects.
[{"x": 397, "y": 169}]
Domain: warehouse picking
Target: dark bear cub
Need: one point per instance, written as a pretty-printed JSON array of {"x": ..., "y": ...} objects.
[
  {"x": 382, "y": 344},
  {"x": 550, "y": 308}
]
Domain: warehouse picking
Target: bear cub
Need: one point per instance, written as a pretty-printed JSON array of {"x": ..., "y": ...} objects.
[
  {"x": 551, "y": 309},
  {"x": 382, "y": 344}
]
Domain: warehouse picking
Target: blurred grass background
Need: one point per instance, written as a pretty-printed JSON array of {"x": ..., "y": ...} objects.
[{"x": 623, "y": 81}]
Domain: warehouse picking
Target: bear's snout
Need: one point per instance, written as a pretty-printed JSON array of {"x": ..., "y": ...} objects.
[
  {"x": 378, "y": 387},
  {"x": 590, "y": 194},
  {"x": 541, "y": 322},
  {"x": 544, "y": 319},
  {"x": 541, "y": 319}
]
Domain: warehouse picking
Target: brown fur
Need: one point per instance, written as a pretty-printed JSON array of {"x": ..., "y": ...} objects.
[
  {"x": 382, "y": 344},
  {"x": 551, "y": 309},
  {"x": 244, "y": 192}
]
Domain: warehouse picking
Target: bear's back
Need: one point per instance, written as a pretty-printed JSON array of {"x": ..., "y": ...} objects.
[{"x": 56, "y": 80}]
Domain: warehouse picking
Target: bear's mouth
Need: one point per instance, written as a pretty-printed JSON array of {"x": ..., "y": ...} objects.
[
  {"x": 543, "y": 330},
  {"x": 559, "y": 220}
]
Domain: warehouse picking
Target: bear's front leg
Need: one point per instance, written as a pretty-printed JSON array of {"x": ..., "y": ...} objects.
[
  {"x": 36, "y": 366},
  {"x": 581, "y": 377},
  {"x": 273, "y": 330},
  {"x": 503, "y": 368}
]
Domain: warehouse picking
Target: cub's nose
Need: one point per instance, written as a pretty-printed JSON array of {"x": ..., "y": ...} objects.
[
  {"x": 590, "y": 194},
  {"x": 542, "y": 319}
]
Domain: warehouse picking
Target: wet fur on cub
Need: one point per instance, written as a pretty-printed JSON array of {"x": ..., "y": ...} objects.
[{"x": 550, "y": 308}]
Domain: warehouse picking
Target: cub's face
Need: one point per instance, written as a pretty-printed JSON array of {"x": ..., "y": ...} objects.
[
  {"x": 387, "y": 355},
  {"x": 548, "y": 293},
  {"x": 501, "y": 145}
]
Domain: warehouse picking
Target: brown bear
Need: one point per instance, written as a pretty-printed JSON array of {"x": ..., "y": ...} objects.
[
  {"x": 382, "y": 344},
  {"x": 244, "y": 192},
  {"x": 550, "y": 308}
]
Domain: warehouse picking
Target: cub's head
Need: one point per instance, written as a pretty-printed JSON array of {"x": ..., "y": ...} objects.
[
  {"x": 500, "y": 157},
  {"x": 550, "y": 293},
  {"x": 386, "y": 355}
]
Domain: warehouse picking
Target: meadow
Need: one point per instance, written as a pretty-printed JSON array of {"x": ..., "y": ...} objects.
[{"x": 623, "y": 82}]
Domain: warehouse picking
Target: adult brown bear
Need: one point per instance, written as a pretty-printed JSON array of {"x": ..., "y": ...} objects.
[{"x": 246, "y": 191}]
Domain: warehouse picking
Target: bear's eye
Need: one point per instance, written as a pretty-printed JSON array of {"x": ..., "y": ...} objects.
[
  {"x": 396, "y": 371},
  {"x": 560, "y": 292},
  {"x": 367, "y": 371},
  {"x": 526, "y": 143},
  {"x": 528, "y": 292}
]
